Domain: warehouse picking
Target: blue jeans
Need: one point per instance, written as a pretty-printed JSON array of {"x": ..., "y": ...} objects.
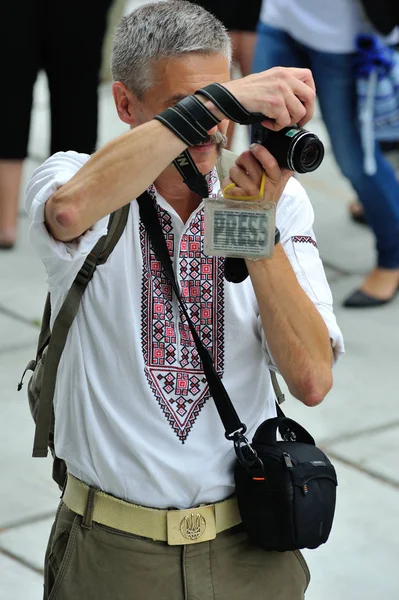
[{"x": 333, "y": 74}]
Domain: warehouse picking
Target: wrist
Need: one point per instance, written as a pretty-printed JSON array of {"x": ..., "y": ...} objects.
[
  {"x": 189, "y": 119},
  {"x": 211, "y": 107},
  {"x": 267, "y": 269},
  {"x": 276, "y": 243}
]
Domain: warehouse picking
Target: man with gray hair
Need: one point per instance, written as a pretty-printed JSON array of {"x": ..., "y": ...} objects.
[{"x": 135, "y": 423}]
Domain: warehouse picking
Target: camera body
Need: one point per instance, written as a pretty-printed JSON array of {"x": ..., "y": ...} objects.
[{"x": 294, "y": 148}]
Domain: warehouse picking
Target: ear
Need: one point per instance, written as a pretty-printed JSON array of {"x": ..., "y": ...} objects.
[{"x": 127, "y": 105}]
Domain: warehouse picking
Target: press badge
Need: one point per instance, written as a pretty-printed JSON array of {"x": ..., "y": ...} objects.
[{"x": 239, "y": 228}]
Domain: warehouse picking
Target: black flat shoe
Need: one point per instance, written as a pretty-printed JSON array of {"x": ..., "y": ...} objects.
[
  {"x": 8, "y": 246},
  {"x": 361, "y": 300}
]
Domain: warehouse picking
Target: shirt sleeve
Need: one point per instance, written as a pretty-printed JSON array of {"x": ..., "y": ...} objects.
[
  {"x": 62, "y": 260},
  {"x": 294, "y": 218}
]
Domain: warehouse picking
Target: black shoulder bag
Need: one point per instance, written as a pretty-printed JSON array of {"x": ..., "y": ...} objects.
[{"x": 285, "y": 489}]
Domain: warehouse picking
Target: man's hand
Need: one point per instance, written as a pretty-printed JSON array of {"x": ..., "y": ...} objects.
[
  {"x": 286, "y": 96},
  {"x": 247, "y": 174}
]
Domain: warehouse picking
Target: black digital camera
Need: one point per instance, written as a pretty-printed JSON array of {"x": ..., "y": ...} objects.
[{"x": 294, "y": 148}]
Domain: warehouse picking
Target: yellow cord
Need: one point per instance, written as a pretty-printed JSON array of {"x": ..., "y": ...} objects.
[{"x": 258, "y": 197}]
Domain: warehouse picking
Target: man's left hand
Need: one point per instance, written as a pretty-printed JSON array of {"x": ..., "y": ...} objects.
[{"x": 247, "y": 175}]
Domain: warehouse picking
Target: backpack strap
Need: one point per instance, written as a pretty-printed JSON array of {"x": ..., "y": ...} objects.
[
  {"x": 45, "y": 332},
  {"x": 280, "y": 398},
  {"x": 44, "y": 338},
  {"x": 56, "y": 341}
]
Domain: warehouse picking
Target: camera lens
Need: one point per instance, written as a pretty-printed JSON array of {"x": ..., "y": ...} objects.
[
  {"x": 306, "y": 152},
  {"x": 293, "y": 147},
  {"x": 310, "y": 155}
]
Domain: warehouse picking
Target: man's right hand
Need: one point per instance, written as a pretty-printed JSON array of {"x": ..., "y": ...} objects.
[{"x": 286, "y": 96}]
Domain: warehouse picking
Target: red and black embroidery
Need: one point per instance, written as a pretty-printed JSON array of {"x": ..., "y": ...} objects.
[
  {"x": 303, "y": 239},
  {"x": 212, "y": 180},
  {"x": 172, "y": 365}
]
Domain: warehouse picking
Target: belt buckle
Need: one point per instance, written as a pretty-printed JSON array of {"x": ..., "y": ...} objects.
[{"x": 191, "y": 526}]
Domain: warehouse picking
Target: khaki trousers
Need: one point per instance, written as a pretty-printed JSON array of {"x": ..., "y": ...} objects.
[{"x": 106, "y": 564}]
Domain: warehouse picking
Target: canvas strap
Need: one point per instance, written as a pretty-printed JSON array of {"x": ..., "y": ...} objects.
[{"x": 56, "y": 342}]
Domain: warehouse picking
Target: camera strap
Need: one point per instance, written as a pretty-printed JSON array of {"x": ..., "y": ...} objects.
[
  {"x": 235, "y": 269},
  {"x": 229, "y": 105},
  {"x": 234, "y": 428},
  {"x": 191, "y": 175},
  {"x": 191, "y": 120}
]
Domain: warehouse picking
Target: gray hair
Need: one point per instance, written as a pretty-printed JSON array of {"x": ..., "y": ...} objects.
[{"x": 163, "y": 30}]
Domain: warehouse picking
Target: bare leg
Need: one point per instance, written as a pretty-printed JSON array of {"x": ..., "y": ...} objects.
[
  {"x": 381, "y": 283},
  {"x": 10, "y": 180},
  {"x": 243, "y": 43}
]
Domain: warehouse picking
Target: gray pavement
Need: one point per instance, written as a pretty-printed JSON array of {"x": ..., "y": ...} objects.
[{"x": 358, "y": 423}]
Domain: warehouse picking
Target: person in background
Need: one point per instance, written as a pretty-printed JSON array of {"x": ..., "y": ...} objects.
[
  {"x": 391, "y": 153},
  {"x": 384, "y": 15},
  {"x": 321, "y": 36},
  {"x": 240, "y": 19},
  {"x": 65, "y": 40}
]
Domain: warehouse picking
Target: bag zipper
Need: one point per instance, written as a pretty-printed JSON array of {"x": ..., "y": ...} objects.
[
  {"x": 288, "y": 460},
  {"x": 304, "y": 486},
  {"x": 30, "y": 367}
]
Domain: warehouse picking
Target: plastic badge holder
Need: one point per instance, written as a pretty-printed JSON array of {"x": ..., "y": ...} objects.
[{"x": 239, "y": 227}]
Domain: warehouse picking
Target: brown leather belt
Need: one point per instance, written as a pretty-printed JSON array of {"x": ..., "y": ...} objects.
[{"x": 176, "y": 527}]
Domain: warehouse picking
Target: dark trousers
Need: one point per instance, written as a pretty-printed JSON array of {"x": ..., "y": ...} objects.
[{"x": 65, "y": 40}]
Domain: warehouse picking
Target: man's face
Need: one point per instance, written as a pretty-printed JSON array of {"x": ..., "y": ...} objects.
[{"x": 176, "y": 78}]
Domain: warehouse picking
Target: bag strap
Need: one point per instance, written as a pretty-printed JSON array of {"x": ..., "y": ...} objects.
[
  {"x": 225, "y": 162},
  {"x": 225, "y": 408},
  {"x": 290, "y": 431},
  {"x": 57, "y": 339},
  {"x": 219, "y": 393},
  {"x": 234, "y": 429}
]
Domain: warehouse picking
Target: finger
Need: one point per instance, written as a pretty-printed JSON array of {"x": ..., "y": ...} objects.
[
  {"x": 268, "y": 162},
  {"x": 296, "y": 87},
  {"x": 287, "y": 110},
  {"x": 296, "y": 109},
  {"x": 304, "y": 75},
  {"x": 248, "y": 162},
  {"x": 270, "y": 124},
  {"x": 236, "y": 191},
  {"x": 244, "y": 181},
  {"x": 307, "y": 97},
  {"x": 282, "y": 116}
]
